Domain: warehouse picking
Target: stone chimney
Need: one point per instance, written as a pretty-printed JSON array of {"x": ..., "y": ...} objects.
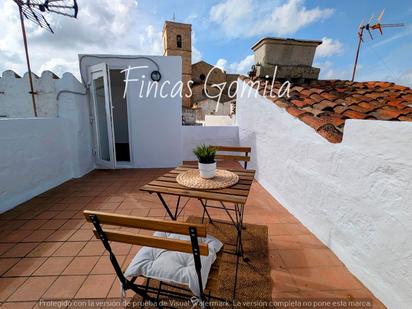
[{"x": 293, "y": 58}]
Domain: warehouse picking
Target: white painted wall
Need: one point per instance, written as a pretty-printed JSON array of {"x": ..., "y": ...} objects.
[
  {"x": 193, "y": 136},
  {"x": 35, "y": 156},
  {"x": 38, "y": 154},
  {"x": 155, "y": 122},
  {"x": 354, "y": 196},
  {"x": 15, "y": 99}
]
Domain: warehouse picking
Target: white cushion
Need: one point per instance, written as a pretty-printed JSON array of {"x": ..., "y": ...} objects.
[{"x": 172, "y": 266}]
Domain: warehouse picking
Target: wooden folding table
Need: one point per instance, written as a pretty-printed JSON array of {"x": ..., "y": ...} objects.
[{"x": 236, "y": 195}]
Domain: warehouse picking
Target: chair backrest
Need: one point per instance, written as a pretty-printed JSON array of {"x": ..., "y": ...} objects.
[
  {"x": 106, "y": 235},
  {"x": 245, "y": 157},
  {"x": 190, "y": 229}
]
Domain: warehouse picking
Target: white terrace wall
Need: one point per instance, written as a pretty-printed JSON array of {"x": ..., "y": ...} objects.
[
  {"x": 36, "y": 154},
  {"x": 193, "y": 136},
  {"x": 354, "y": 196},
  {"x": 15, "y": 100}
]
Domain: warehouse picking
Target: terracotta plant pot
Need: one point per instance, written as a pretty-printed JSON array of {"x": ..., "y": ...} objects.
[{"x": 207, "y": 170}]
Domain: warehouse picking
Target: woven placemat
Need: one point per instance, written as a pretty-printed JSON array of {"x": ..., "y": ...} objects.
[{"x": 192, "y": 179}]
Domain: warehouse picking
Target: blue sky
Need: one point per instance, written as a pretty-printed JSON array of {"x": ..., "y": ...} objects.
[{"x": 223, "y": 32}]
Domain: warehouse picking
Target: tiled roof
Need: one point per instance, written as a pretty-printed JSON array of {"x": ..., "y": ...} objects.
[{"x": 326, "y": 104}]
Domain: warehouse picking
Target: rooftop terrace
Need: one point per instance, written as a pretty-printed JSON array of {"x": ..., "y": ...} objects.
[{"x": 47, "y": 249}]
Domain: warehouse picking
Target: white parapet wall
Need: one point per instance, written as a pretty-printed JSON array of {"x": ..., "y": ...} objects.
[
  {"x": 193, "y": 136},
  {"x": 37, "y": 154},
  {"x": 354, "y": 196},
  {"x": 15, "y": 98}
]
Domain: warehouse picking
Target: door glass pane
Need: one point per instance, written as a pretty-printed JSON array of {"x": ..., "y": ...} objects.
[{"x": 100, "y": 101}]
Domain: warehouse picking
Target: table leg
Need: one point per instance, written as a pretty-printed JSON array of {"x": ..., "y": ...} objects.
[
  {"x": 173, "y": 217},
  {"x": 204, "y": 204}
]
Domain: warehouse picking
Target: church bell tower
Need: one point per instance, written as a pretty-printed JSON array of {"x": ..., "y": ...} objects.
[{"x": 177, "y": 41}]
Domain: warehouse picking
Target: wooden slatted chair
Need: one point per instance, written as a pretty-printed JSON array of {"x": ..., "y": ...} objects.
[
  {"x": 245, "y": 157},
  {"x": 174, "y": 245}
]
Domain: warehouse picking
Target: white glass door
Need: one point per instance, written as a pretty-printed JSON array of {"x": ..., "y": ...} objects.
[{"x": 102, "y": 116}]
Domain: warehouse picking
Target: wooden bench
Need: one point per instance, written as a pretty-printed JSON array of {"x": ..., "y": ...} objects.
[
  {"x": 108, "y": 235},
  {"x": 242, "y": 156}
]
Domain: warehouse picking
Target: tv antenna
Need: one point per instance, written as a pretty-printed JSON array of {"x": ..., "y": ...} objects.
[
  {"x": 33, "y": 10},
  {"x": 370, "y": 27}
]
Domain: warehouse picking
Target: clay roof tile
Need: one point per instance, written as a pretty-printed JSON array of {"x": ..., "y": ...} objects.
[
  {"x": 314, "y": 122},
  {"x": 330, "y": 133},
  {"x": 295, "y": 112},
  {"x": 386, "y": 114},
  {"x": 325, "y": 104}
]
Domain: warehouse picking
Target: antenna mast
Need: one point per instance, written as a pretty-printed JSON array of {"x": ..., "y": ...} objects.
[
  {"x": 33, "y": 10},
  {"x": 368, "y": 27}
]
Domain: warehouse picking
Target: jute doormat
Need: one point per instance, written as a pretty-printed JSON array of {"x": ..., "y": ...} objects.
[{"x": 254, "y": 284}]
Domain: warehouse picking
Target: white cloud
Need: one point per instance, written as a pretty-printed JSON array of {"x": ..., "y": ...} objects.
[
  {"x": 102, "y": 28},
  {"x": 241, "y": 67},
  {"x": 196, "y": 54},
  {"x": 329, "y": 47},
  {"x": 329, "y": 71},
  {"x": 246, "y": 18},
  {"x": 405, "y": 79},
  {"x": 222, "y": 64}
]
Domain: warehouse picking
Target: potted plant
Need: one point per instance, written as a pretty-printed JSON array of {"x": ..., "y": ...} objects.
[{"x": 207, "y": 164}]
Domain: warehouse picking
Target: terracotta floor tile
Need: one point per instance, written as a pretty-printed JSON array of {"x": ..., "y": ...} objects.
[
  {"x": 120, "y": 248},
  {"x": 20, "y": 250},
  {"x": 301, "y": 266},
  {"x": 7, "y": 263},
  {"x": 16, "y": 236},
  {"x": 134, "y": 250},
  {"x": 45, "y": 249},
  {"x": 54, "y": 265},
  {"x": 81, "y": 265},
  {"x": 287, "y": 229},
  {"x": 115, "y": 199},
  {"x": 19, "y": 305},
  {"x": 105, "y": 206},
  {"x": 25, "y": 267},
  {"x": 104, "y": 266},
  {"x": 72, "y": 224},
  {"x": 355, "y": 294},
  {"x": 69, "y": 248},
  {"x": 65, "y": 214},
  {"x": 308, "y": 258},
  {"x": 47, "y": 215},
  {"x": 317, "y": 294},
  {"x": 324, "y": 278},
  {"x": 38, "y": 235},
  {"x": 78, "y": 201},
  {"x": 286, "y": 242},
  {"x": 9, "y": 285},
  {"x": 29, "y": 215},
  {"x": 96, "y": 286},
  {"x": 92, "y": 248},
  {"x": 32, "y": 289},
  {"x": 65, "y": 287},
  {"x": 53, "y": 224},
  {"x": 282, "y": 281},
  {"x": 282, "y": 296},
  {"x": 275, "y": 260},
  {"x": 81, "y": 235},
  {"x": 4, "y": 247},
  {"x": 33, "y": 224},
  {"x": 139, "y": 212},
  {"x": 157, "y": 212},
  {"x": 60, "y": 235}
]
